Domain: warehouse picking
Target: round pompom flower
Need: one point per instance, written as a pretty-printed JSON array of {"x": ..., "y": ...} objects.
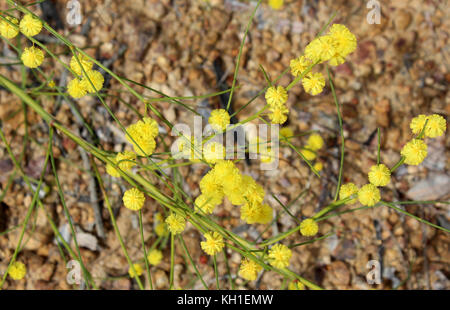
[
  {"x": 348, "y": 190},
  {"x": 379, "y": 175},
  {"x": 219, "y": 119},
  {"x": 414, "y": 152},
  {"x": 154, "y": 257},
  {"x": 318, "y": 166},
  {"x": 436, "y": 126},
  {"x": 278, "y": 114},
  {"x": 111, "y": 170},
  {"x": 279, "y": 256},
  {"x": 207, "y": 203},
  {"x": 276, "y": 4},
  {"x": 213, "y": 152},
  {"x": 320, "y": 49},
  {"x": 313, "y": 83},
  {"x": 213, "y": 244},
  {"x": 30, "y": 25},
  {"x": 309, "y": 227},
  {"x": 32, "y": 57},
  {"x": 136, "y": 271},
  {"x": 85, "y": 62},
  {"x": 96, "y": 78},
  {"x": 17, "y": 271},
  {"x": 126, "y": 160},
  {"x": 344, "y": 43},
  {"x": 276, "y": 96},
  {"x": 76, "y": 89},
  {"x": 286, "y": 133},
  {"x": 7, "y": 30},
  {"x": 309, "y": 155},
  {"x": 315, "y": 142},
  {"x": 142, "y": 135},
  {"x": 369, "y": 195},
  {"x": 299, "y": 65},
  {"x": 296, "y": 285},
  {"x": 418, "y": 123},
  {"x": 133, "y": 199},
  {"x": 175, "y": 223},
  {"x": 249, "y": 269}
]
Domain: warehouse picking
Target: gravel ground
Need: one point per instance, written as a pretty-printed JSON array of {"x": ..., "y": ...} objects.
[{"x": 399, "y": 70}]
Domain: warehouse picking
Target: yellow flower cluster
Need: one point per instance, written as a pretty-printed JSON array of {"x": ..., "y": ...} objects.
[
  {"x": 87, "y": 80},
  {"x": 30, "y": 25},
  {"x": 276, "y": 4},
  {"x": 296, "y": 286},
  {"x": 379, "y": 175},
  {"x": 369, "y": 195},
  {"x": 436, "y": 125},
  {"x": 176, "y": 223},
  {"x": 249, "y": 269},
  {"x": 133, "y": 199},
  {"x": 8, "y": 30},
  {"x": 213, "y": 244},
  {"x": 142, "y": 136},
  {"x": 219, "y": 119},
  {"x": 32, "y": 57},
  {"x": 414, "y": 152},
  {"x": 160, "y": 226},
  {"x": 17, "y": 271},
  {"x": 309, "y": 227},
  {"x": 314, "y": 144},
  {"x": 348, "y": 190},
  {"x": 138, "y": 270},
  {"x": 276, "y": 97},
  {"x": 279, "y": 256},
  {"x": 225, "y": 179},
  {"x": 125, "y": 161},
  {"x": 155, "y": 257},
  {"x": 213, "y": 152}
]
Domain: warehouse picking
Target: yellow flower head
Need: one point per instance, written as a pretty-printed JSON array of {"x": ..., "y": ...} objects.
[
  {"x": 85, "y": 62},
  {"x": 309, "y": 228},
  {"x": 126, "y": 160},
  {"x": 318, "y": 166},
  {"x": 379, "y": 175},
  {"x": 96, "y": 78},
  {"x": 142, "y": 135},
  {"x": 344, "y": 43},
  {"x": 30, "y": 25},
  {"x": 436, "y": 126},
  {"x": 111, "y": 170},
  {"x": 17, "y": 271},
  {"x": 276, "y": 96},
  {"x": 279, "y": 114},
  {"x": 286, "y": 133},
  {"x": 32, "y": 57},
  {"x": 7, "y": 30},
  {"x": 296, "y": 286},
  {"x": 227, "y": 174},
  {"x": 133, "y": 199},
  {"x": 213, "y": 152},
  {"x": 320, "y": 49},
  {"x": 234, "y": 191},
  {"x": 369, "y": 195},
  {"x": 279, "y": 256},
  {"x": 161, "y": 229},
  {"x": 299, "y": 65},
  {"x": 414, "y": 151},
  {"x": 313, "y": 83},
  {"x": 348, "y": 190},
  {"x": 207, "y": 203},
  {"x": 155, "y": 257},
  {"x": 210, "y": 185},
  {"x": 253, "y": 191},
  {"x": 417, "y": 123},
  {"x": 251, "y": 212},
  {"x": 309, "y": 155},
  {"x": 267, "y": 156},
  {"x": 249, "y": 269},
  {"x": 219, "y": 119},
  {"x": 175, "y": 223},
  {"x": 265, "y": 215},
  {"x": 315, "y": 142},
  {"x": 137, "y": 271},
  {"x": 76, "y": 89},
  {"x": 213, "y": 244},
  {"x": 276, "y": 4}
]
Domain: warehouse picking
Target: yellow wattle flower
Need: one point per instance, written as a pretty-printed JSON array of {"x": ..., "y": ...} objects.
[
  {"x": 276, "y": 4},
  {"x": 348, "y": 190},
  {"x": 436, "y": 126},
  {"x": 313, "y": 83},
  {"x": 85, "y": 62},
  {"x": 213, "y": 244},
  {"x": 154, "y": 257},
  {"x": 369, "y": 195},
  {"x": 219, "y": 119},
  {"x": 418, "y": 123},
  {"x": 206, "y": 203},
  {"x": 414, "y": 152},
  {"x": 97, "y": 80},
  {"x": 138, "y": 270},
  {"x": 309, "y": 227},
  {"x": 213, "y": 152},
  {"x": 133, "y": 199},
  {"x": 176, "y": 223},
  {"x": 30, "y": 25},
  {"x": 278, "y": 114},
  {"x": 299, "y": 65},
  {"x": 279, "y": 256},
  {"x": 7, "y": 30},
  {"x": 32, "y": 57},
  {"x": 276, "y": 96},
  {"x": 320, "y": 49},
  {"x": 249, "y": 269},
  {"x": 296, "y": 285},
  {"x": 379, "y": 175},
  {"x": 17, "y": 271},
  {"x": 76, "y": 89},
  {"x": 126, "y": 160},
  {"x": 315, "y": 142}
]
